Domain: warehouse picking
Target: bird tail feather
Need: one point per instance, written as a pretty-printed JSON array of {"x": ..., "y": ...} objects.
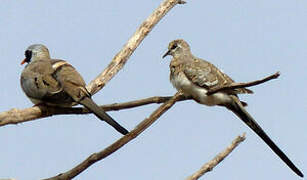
[
  {"x": 102, "y": 115},
  {"x": 237, "y": 108}
]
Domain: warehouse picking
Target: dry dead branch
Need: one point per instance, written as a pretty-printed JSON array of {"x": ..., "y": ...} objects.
[{"x": 217, "y": 159}]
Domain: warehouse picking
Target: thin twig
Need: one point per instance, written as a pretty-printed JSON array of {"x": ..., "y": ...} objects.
[
  {"x": 16, "y": 116},
  {"x": 119, "y": 143},
  {"x": 217, "y": 159},
  {"x": 122, "y": 56},
  {"x": 243, "y": 85}
]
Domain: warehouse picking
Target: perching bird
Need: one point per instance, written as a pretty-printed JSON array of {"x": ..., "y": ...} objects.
[
  {"x": 194, "y": 77},
  {"x": 55, "y": 82}
]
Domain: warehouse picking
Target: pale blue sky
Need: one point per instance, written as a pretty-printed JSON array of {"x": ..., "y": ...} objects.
[{"x": 247, "y": 39}]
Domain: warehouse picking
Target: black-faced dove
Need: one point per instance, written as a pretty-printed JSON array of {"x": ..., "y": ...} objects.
[{"x": 55, "y": 82}]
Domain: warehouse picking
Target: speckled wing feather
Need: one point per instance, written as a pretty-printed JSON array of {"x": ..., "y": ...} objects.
[{"x": 206, "y": 75}]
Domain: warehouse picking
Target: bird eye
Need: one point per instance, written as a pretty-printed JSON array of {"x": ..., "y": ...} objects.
[
  {"x": 28, "y": 54},
  {"x": 174, "y": 46}
]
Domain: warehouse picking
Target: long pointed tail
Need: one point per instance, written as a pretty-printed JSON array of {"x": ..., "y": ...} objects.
[
  {"x": 102, "y": 115},
  {"x": 240, "y": 111}
]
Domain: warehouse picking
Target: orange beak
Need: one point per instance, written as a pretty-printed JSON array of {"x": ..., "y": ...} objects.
[{"x": 23, "y": 61}]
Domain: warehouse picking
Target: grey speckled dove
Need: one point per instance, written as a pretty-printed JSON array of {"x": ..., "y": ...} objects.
[
  {"x": 194, "y": 76},
  {"x": 55, "y": 82}
]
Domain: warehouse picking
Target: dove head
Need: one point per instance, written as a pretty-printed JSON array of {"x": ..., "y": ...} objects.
[
  {"x": 36, "y": 52},
  {"x": 178, "y": 48}
]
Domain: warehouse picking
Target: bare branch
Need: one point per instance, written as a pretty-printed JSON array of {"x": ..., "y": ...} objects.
[
  {"x": 122, "y": 56},
  {"x": 217, "y": 159},
  {"x": 16, "y": 116},
  {"x": 119, "y": 143},
  {"x": 243, "y": 85}
]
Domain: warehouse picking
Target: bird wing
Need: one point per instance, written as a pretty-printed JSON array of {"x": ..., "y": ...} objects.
[
  {"x": 206, "y": 75},
  {"x": 54, "y": 89},
  {"x": 52, "y": 85},
  {"x": 71, "y": 81}
]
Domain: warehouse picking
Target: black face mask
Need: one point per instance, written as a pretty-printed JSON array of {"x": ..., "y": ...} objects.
[{"x": 28, "y": 55}]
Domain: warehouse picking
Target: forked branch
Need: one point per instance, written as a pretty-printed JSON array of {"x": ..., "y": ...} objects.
[{"x": 15, "y": 116}]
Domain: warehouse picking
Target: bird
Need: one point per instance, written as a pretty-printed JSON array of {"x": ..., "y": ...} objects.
[
  {"x": 194, "y": 77},
  {"x": 55, "y": 82}
]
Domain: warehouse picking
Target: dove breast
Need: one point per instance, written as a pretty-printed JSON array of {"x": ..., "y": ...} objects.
[{"x": 181, "y": 82}]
